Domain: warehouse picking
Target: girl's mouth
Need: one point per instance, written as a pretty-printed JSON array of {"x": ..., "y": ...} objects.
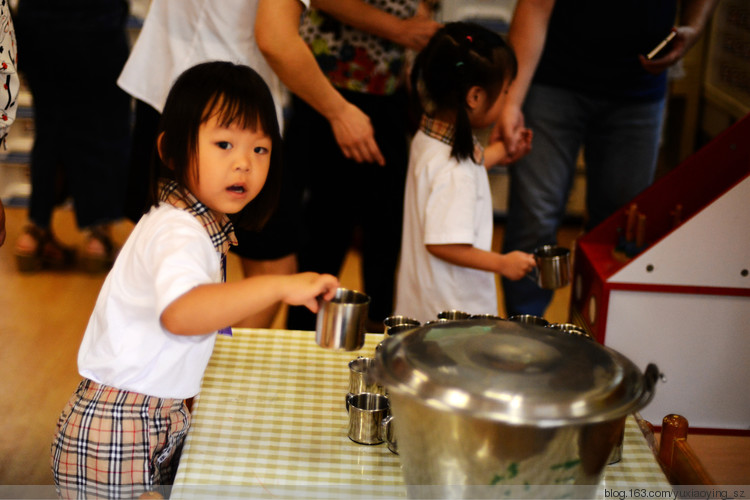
[{"x": 236, "y": 189}]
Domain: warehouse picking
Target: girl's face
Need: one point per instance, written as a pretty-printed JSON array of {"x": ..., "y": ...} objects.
[
  {"x": 483, "y": 111},
  {"x": 232, "y": 166}
]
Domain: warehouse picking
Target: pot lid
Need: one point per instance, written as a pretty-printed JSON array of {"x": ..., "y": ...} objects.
[{"x": 513, "y": 373}]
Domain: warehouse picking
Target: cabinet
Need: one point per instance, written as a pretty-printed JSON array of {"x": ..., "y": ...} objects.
[{"x": 683, "y": 302}]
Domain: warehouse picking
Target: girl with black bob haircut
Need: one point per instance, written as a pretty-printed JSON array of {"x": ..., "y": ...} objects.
[
  {"x": 240, "y": 96},
  {"x": 157, "y": 316}
]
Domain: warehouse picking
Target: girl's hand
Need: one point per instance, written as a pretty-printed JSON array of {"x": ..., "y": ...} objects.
[
  {"x": 510, "y": 129},
  {"x": 524, "y": 145},
  {"x": 517, "y": 264},
  {"x": 496, "y": 153},
  {"x": 305, "y": 288}
]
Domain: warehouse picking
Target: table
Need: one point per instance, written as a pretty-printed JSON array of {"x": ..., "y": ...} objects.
[{"x": 271, "y": 422}]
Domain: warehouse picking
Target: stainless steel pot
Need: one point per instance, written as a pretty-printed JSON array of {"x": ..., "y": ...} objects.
[{"x": 489, "y": 404}]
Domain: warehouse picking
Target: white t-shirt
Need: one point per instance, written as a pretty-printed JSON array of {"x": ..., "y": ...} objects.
[
  {"x": 445, "y": 202},
  {"x": 124, "y": 346},
  {"x": 178, "y": 34}
]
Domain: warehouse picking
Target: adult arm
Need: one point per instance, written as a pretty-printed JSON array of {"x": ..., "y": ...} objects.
[
  {"x": 694, "y": 16},
  {"x": 513, "y": 265},
  {"x": 527, "y": 35},
  {"x": 277, "y": 36},
  {"x": 412, "y": 33}
]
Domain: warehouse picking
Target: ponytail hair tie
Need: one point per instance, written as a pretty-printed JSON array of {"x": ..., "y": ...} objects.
[{"x": 469, "y": 38}]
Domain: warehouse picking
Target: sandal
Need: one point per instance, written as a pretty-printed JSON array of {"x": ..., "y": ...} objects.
[
  {"x": 100, "y": 258},
  {"x": 45, "y": 253}
]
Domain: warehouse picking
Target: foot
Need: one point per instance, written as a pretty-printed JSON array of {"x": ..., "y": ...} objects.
[
  {"x": 37, "y": 248},
  {"x": 27, "y": 244},
  {"x": 99, "y": 251}
]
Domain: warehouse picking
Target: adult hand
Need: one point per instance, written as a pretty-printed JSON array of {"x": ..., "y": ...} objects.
[
  {"x": 355, "y": 135},
  {"x": 511, "y": 130},
  {"x": 684, "y": 39},
  {"x": 416, "y": 31}
]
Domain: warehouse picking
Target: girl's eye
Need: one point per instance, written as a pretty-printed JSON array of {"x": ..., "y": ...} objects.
[
  {"x": 261, "y": 150},
  {"x": 224, "y": 145}
]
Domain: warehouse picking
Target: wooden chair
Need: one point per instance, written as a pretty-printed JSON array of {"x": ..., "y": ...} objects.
[{"x": 677, "y": 459}]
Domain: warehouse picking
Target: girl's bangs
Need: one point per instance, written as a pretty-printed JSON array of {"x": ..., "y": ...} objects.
[{"x": 232, "y": 110}]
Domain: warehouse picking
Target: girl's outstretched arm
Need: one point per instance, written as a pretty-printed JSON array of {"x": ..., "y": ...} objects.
[
  {"x": 514, "y": 265},
  {"x": 207, "y": 308}
]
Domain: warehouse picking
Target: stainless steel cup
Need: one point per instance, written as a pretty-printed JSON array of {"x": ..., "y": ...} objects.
[
  {"x": 570, "y": 328},
  {"x": 341, "y": 321},
  {"x": 616, "y": 454},
  {"x": 552, "y": 266},
  {"x": 398, "y": 324},
  {"x": 436, "y": 321},
  {"x": 453, "y": 315},
  {"x": 485, "y": 316},
  {"x": 360, "y": 378},
  {"x": 366, "y": 412},
  {"x": 388, "y": 434},
  {"x": 529, "y": 319}
]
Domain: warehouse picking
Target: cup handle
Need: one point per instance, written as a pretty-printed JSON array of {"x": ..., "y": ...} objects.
[
  {"x": 385, "y": 427},
  {"x": 533, "y": 275}
]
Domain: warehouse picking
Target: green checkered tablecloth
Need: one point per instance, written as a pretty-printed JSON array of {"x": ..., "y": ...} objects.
[{"x": 271, "y": 422}]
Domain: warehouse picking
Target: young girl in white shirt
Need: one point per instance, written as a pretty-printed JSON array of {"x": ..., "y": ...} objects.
[
  {"x": 461, "y": 78},
  {"x": 155, "y": 322}
]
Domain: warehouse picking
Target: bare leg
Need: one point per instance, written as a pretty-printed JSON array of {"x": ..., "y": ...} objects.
[{"x": 284, "y": 265}]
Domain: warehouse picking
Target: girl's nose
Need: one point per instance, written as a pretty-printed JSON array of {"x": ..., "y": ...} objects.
[{"x": 242, "y": 164}]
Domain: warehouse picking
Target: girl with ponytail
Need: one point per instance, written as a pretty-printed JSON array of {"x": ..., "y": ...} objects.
[{"x": 459, "y": 80}]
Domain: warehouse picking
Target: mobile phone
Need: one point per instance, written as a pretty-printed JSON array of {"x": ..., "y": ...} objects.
[{"x": 656, "y": 50}]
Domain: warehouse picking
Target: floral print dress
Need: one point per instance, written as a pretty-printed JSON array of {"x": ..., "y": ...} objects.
[{"x": 356, "y": 60}]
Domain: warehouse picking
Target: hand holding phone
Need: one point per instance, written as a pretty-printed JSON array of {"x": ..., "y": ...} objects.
[{"x": 662, "y": 45}]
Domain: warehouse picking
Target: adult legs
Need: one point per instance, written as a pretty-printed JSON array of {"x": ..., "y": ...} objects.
[
  {"x": 621, "y": 141},
  {"x": 142, "y": 151},
  {"x": 621, "y": 152},
  {"x": 381, "y": 198},
  {"x": 48, "y": 97},
  {"x": 327, "y": 220},
  {"x": 100, "y": 140},
  {"x": 273, "y": 249},
  {"x": 81, "y": 117},
  {"x": 345, "y": 195},
  {"x": 539, "y": 186}
]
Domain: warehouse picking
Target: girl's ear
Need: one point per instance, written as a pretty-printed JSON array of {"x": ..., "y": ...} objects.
[
  {"x": 159, "y": 141},
  {"x": 475, "y": 97}
]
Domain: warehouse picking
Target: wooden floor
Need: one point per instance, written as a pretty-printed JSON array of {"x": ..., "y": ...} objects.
[{"x": 42, "y": 318}]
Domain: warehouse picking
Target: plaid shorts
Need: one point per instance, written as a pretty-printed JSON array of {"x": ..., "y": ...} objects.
[{"x": 116, "y": 444}]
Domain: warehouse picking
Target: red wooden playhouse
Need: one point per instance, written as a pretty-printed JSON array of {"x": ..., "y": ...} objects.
[{"x": 665, "y": 280}]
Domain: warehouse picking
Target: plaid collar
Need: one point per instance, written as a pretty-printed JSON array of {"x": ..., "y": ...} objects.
[
  {"x": 445, "y": 132},
  {"x": 221, "y": 231}
]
